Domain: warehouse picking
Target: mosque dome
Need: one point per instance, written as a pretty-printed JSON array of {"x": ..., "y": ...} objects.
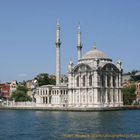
[{"x": 95, "y": 54}]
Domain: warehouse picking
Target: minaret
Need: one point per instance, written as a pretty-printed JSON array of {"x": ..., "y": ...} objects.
[
  {"x": 94, "y": 45},
  {"x": 58, "y": 43},
  {"x": 79, "y": 44}
]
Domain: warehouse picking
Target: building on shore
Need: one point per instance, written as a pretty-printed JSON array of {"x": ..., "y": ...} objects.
[
  {"x": 13, "y": 86},
  {"x": 126, "y": 77},
  {"x": 31, "y": 85},
  {"x": 94, "y": 82},
  {"x": 5, "y": 91},
  {"x": 138, "y": 92}
]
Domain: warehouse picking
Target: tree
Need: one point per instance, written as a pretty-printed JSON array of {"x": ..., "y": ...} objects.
[
  {"x": 20, "y": 95},
  {"x": 52, "y": 79},
  {"x": 22, "y": 88},
  {"x": 45, "y": 79},
  {"x": 1, "y": 95},
  {"x": 129, "y": 94}
]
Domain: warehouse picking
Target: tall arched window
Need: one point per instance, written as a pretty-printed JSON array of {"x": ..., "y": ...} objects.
[
  {"x": 77, "y": 80},
  {"x": 108, "y": 80},
  {"x": 103, "y": 80},
  {"x": 114, "y": 81},
  {"x": 99, "y": 96},
  {"x": 90, "y": 80},
  {"x": 84, "y": 81}
]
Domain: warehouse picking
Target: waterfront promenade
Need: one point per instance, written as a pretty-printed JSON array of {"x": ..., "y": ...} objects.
[{"x": 78, "y": 109}]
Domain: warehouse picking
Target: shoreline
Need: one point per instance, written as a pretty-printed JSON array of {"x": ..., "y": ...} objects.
[{"x": 123, "y": 108}]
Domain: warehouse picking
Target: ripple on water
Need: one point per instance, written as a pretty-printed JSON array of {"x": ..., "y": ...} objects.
[{"x": 45, "y": 125}]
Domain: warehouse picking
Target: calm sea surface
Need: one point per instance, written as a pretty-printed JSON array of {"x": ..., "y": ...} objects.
[{"x": 44, "y": 125}]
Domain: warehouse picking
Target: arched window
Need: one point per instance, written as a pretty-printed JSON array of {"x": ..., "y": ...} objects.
[
  {"x": 108, "y": 80},
  {"x": 114, "y": 81},
  {"x": 77, "y": 80},
  {"x": 103, "y": 80},
  {"x": 90, "y": 80},
  {"x": 99, "y": 97},
  {"x": 114, "y": 99},
  {"x": 109, "y": 96},
  {"x": 84, "y": 81}
]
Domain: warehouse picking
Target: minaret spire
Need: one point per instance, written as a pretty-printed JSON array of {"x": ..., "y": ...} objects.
[
  {"x": 79, "y": 44},
  {"x": 58, "y": 32},
  {"x": 58, "y": 43},
  {"x": 94, "y": 45},
  {"x": 79, "y": 36}
]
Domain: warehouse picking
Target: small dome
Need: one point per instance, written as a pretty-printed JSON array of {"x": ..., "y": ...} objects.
[
  {"x": 137, "y": 74},
  {"x": 94, "y": 53}
]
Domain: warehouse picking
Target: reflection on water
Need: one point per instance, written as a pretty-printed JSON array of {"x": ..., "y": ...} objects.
[{"x": 45, "y": 125}]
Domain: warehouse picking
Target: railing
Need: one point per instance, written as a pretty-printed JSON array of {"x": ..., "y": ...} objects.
[
  {"x": 25, "y": 104},
  {"x": 18, "y": 104}
]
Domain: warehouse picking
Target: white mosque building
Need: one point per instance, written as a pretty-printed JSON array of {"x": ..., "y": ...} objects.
[{"x": 95, "y": 82}]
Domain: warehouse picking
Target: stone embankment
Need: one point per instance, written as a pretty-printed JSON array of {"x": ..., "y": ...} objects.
[{"x": 72, "y": 109}]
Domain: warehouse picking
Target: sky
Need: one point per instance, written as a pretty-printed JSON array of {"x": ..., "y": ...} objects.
[{"x": 27, "y": 34}]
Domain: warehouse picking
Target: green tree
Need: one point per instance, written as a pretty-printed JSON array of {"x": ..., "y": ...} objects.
[
  {"x": 22, "y": 88},
  {"x": 52, "y": 80},
  {"x": 20, "y": 95},
  {"x": 129, "y": 94},
  {"x": 45, "y": 79}
]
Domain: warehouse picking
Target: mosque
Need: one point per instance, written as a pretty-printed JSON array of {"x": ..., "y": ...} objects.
[{"x": 95, "y": 82}]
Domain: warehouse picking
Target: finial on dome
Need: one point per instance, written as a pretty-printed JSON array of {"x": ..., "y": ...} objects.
[
  {"x": 94, "y": 45},
  {"x": 70, "y": 62}
]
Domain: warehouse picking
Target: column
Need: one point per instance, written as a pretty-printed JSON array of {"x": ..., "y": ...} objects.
[
  {"x": 87, "y": 97},
  {"x": 70, "y": 97},
  {"x": 79, "y": 97},
  {"x": 106, "y": 92},
  {"x": 73, "y": 98},
  {"x": 92, "y": 96},
  {"x": 111, "y": 81},
  {"x": 49, "y": 99},
  {"x": 95, "y": 86}
]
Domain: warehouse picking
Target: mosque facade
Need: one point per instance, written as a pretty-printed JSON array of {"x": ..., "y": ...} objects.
[{"x": 94, "y": 82}]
